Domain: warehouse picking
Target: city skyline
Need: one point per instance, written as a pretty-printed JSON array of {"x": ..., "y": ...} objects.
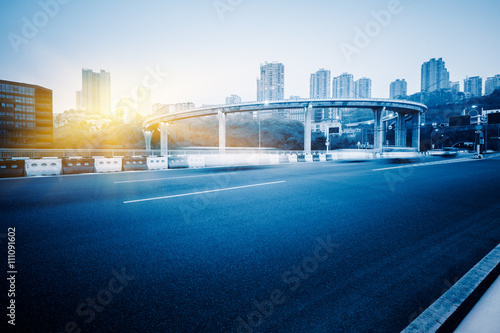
[{"x": 203, "y": 68}]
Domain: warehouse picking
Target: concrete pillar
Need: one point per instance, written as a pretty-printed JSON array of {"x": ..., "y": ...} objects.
[
  {"x": 309, "y": 113},
  {"x": 222, "y": 132},
  {"x": 147, "y": 139},
  {"x": 164, "y": 138},
  {"x": 401, "y": 130},
  {"x": 378, "y": 129},
  {"x": 415, "y": 134}
]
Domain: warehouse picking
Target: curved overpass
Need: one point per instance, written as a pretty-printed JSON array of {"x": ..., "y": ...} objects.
[{"x": 378, "y": 106}]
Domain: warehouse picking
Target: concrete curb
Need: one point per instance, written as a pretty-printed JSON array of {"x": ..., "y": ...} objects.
[{"x": 445, "y": 314}]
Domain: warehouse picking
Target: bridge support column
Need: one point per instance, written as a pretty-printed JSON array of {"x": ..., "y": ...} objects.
[
  {"x": 415, "y": 133},
  {"x": 401, "y": 130},
  {"x": 308, "y": 112},
  {"x": 164, "y": 138},
  {"x": 222, "y": 132},
  {"x": 378, "y": 129},
  {"x": 147, "y": 139}
]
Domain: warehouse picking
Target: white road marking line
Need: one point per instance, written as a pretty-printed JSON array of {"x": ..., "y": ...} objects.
[
  {"x": 202, "y": 192},
  {"x": 157, "y": 179},
  {"x": 427, "y": 164}
]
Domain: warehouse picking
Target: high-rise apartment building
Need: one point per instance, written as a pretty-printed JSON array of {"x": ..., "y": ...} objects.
[
  {"x": 343, "y": 86},
  {"x": 492, "y": 84},
  {"x": 455, "y": 86},
  {"x": 435, "y": 76},
  {"x": 95, "y": 96},
  {"x": 399, "y": 88},
  {"x": 26, "y": 119},
  {"x": 473, "y": 86},
  {"x": 320, "y": 84},
  {"x": 271, "y": 85},
  {"x": 363, "y": 88},
  {"x": 233, "y": 99}
]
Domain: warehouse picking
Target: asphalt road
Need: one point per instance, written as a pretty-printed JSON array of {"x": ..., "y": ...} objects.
[{"x": 316, "y": 247}]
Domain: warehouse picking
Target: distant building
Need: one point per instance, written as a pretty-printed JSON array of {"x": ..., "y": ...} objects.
[
  {"x": 320, "y": 88},
  {"x": 492, "y": 83},
  {"x": 363, "y": 88},
  {"x": 455, "y": 86},
  {"x": 125, "y": 110},
  {"x": 474, "y": 86},
  {"x": 271, "y": 85},
  {"x": 233, "y": 99},
  {"x": 435, "y": 76},
  {"x": 95, "y": 96},
  {"x": 343, "y": 86},
  {"x": 26, "y": 116},
  {"x": 144, "y": 106},
  {"x": 399, "y": 88}
]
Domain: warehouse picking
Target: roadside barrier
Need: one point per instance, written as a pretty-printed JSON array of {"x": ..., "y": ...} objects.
[
  {"x": 315, "y": 158},
  {"x": 301, "y": 158},
  {"x": 275, "y": 159},
  {"x": 264, "y": 159},
  {"x": 157, "y": 163},
  {"x": 43, "y": 167},
  {"x": 322, "y": 158},
  {"x": 293, "y": 158},
  {"x": 196, "y": 161},
  {"x": 135, "y": 163},
  {"x": 75, "y": 165},
  {"x": 329, "y": 157},
  {"x": 103, "y": 164},
  {"x": 284, "y": 159},
  {"x": 176, "y": 162},
  {"x": 11, "y": 168}
]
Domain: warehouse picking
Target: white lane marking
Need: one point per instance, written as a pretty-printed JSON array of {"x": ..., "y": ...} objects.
[
  {"x": 202, "y": 192},
  {"x": 465, "y": 159},
  {"x": 158, "y": 179}
]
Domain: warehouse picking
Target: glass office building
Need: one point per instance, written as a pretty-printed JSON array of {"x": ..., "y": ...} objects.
[{"x": 26, "y": 119}]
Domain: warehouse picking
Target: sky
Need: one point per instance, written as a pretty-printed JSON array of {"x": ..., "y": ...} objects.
[{"x": 202, "y": 51}]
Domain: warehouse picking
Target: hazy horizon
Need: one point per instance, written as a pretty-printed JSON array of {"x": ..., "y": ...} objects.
[{"x": 213, "y": 49}]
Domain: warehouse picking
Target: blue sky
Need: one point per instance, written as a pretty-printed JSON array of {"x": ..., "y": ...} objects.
[{"x": 210, "y": 54}]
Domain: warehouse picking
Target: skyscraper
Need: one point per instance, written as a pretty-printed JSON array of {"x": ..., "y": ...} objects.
[
  {"x": 144, "y": 106},
  {"x": 271, "y": 85},
  {"x": 455, "y": 86},
  {"x": 95, "y": 96},
  {"x": 492, "y": 83},
  {"x": 320, "y": 84},
  {"x": 435, "y": 76},
  {"x": 473, "y": 86},
  {"x": 343, "y": 86},
  {"x": 399, "y": 88},
  {"x": 363, "y": 88}
]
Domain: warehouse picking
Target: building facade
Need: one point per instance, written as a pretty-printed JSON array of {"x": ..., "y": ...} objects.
[
  {"x": 95, "y": 96},
  {"x": 271, "y": 85},
  {"x": 399, "y": 88},
  {"x": 492, "y": 84},
  {"x": 233, "y": 99},
  {"x": 435, "y": 76},
  {"x": 320, "y": 87},
  {"x": 473, "y": 86},
  {"x": 26, "y": 116},
  {"x": 363, "y": 88},
  {"x": 343, "y": 86}
]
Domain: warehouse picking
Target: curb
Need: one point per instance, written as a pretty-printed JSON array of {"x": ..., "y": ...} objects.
[{"x": 445, "y": 314}]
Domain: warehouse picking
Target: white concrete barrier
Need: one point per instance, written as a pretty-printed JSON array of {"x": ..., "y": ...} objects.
[
  {"x": 157, "y": 163},
  {"x": 275, "y": 159},
  {"x": 309, "y": 158},
  {"x": 322, "y": 157},
  {"x": 292, "y": 159},
  {"x": 196, "y": 161},
  {"x": 43, "y": 167},
  {"x": 102, "y": 164}
]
